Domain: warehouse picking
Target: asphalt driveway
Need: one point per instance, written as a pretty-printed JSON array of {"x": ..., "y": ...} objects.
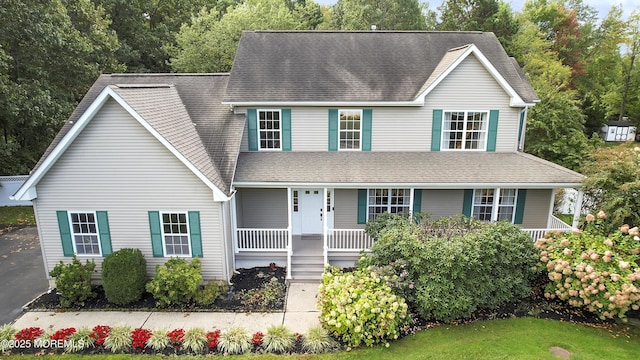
[{"x": 22, "y": 275}]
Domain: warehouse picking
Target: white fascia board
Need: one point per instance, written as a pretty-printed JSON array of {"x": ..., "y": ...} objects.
[
  {"x": 515, "y": 101},
  {"x": 435, "y": 186},
  {"x": 28, "y": 192},
  {"x": 218, "y": 195},
  {"x": 415, "y": 102}
]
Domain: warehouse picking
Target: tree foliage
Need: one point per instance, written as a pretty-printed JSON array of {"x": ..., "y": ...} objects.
[
  {"x": 384, "y": 14},
  {"x": 612, "y": 183}
]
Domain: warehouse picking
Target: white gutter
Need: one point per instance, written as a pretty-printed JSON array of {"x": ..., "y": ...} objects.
[{"x": 341, "y": 185}]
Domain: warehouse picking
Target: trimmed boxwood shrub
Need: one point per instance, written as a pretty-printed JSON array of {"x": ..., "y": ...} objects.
[
  {"x": 455, "y": 265},
  {"x": 176, "y": 282},
  {"x": 124, "y": 276},
  {"x": 73, "y": 281}
]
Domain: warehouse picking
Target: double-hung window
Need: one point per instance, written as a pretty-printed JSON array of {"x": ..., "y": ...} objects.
[
  {"x": 394, "y": 201},
  {"x": 175, "y": 234},
  {"x": 465, "y": 130},
  {"x": 84, "y": 232},
  {"x": 494, "y": 204},
  {"x": 350, "y": 129},
  {"x": 269, "y": 129}
]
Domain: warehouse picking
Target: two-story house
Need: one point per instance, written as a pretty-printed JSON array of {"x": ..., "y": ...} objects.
[{"x": 286, "y": 158}]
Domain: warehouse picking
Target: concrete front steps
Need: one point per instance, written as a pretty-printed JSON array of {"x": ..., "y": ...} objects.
[{"x": 306, "y": 268}]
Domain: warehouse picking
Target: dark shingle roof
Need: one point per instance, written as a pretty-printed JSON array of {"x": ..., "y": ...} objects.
[
  {"x": 418, "y": 168},
  {"x": 186, "y": 109},
  {"x": 325, "y": 66}
]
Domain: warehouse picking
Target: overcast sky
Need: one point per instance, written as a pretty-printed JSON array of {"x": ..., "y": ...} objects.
[{"x": 603, "y": 7}]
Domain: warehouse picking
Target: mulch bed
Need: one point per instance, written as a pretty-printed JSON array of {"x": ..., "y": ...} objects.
[{"x": 243, "y": 280}]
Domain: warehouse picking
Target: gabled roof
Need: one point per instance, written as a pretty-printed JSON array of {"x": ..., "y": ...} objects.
[
  {"x": 184, "y": 112},
  {"x": 450, "y": 169},
  {"x": 316, "y": 67}
]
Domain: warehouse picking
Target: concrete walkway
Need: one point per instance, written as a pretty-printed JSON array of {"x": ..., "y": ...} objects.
[{"x": 300, "y": 314}]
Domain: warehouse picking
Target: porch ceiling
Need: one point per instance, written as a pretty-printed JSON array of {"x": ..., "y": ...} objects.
[{"x": 436, "y": 169}]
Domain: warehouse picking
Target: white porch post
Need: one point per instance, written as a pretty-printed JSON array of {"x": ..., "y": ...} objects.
[
  {"x": 496, "y": 205},
  {"x": 412, "y": 194},
  {"x": 325, "y": 230},
  {"x": 551, "y": 206},
  {"x": 234, "y": 224},
  {"x": 577, "y": 208},
  {"x": 289, "y": 233}
]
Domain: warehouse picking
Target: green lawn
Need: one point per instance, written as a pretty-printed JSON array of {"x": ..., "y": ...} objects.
[
  {"x": 524, "y": 338},
  {"x": 17, "y": 215}
]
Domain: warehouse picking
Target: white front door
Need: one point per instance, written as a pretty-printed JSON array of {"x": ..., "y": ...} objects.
[{"x": 311, "y": 204}]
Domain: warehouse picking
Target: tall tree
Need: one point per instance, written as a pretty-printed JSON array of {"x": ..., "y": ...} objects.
[
  {"x": 50, "y": 53},
  {"x": 384, "y": 14},
  {"x": 479, "y": 15},
  {"x": 209, "y": 43}
]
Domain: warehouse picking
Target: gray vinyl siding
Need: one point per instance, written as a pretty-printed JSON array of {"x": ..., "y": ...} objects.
[
  {"x": 262, "y": 208},
  {"x": 309, "y": 129},
  {"x": 471, "y": 87},
  {"x": 346, "y": 209},
  {"x": 118, "y": 166},
  {"x": 536, "y": 208},
  {"x": 441, "y": 203},
  {"x": 400, "y": 129}
]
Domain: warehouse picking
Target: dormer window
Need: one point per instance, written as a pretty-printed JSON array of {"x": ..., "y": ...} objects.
[
  {"x": 350, "y": 128},
  {"x": 269, "y": 129},
  {"x": 465, "y": 130}
]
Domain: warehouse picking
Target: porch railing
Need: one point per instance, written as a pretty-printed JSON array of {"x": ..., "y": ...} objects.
[
  {"x": 555, "y": 224},
  {"x": 348, "y": 240},
  {"x": 263, "y": 239}
]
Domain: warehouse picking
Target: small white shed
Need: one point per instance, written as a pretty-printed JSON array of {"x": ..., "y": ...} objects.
[{"x": 618, "y": 131}]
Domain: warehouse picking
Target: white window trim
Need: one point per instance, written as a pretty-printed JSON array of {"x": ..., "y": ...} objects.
[
  {"x": 495, "y": 206},
  {"x": 73, "y": 234},
  {"x": 464, "y": 131},
  {"x": 389, "y": 205},
  {"x": 164, "y": 244},
  {"x": 360, "y": 131},
  {"x": 279, "y": 111}
]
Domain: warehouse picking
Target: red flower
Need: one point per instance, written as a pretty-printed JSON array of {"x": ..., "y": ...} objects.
[
  {"x": 257, "y": 338},
  {"x": 176, "y": 337},
  {"x": 29, "y": 334},
  {"x": 140, "y": 338},
  {"x": 63, "y": 334},
  {"x": 212, "y": 338},
  {"x": 100, "y": 333}
]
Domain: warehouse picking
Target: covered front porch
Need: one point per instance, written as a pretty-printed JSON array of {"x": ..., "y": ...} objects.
[{"x": 304, "y": 228}]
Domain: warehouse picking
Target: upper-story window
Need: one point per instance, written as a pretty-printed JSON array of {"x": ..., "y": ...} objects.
[
  {"x": 84, "y": 230},
  {"x": 350, "y": 129},
  {"x": 269, "y": 129},
  {"x": 465, "y": 130},
  {"x": 484, "y": 204}
]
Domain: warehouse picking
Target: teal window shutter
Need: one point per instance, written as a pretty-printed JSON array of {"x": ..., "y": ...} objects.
[
  {"x": 521, "y": 127},
  {"x": 156, "y": 233},
  {"x": 104, "y": 232},
  {"x": 520, "y": 202},
  {"x": 417, "y": 201},
  {"x": 333, "y": 129},
  {"x": 493, "y": 130},
  {"x": 362, "y": 206},
  {"x": 367, "y": 119},
  {"x": 467, "y": 203},
  {"x": 195, "y": 234},
  {"x": 286, "y": 129},
  {"x": 252, "y": 119},
  {"x": 436, "y": 130},
  {"x": 65, "y": 233}
]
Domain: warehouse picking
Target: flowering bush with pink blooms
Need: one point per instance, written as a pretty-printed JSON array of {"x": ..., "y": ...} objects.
[
  {"x": 593, "y": 268},
  {"x": 359, "y": 308}
]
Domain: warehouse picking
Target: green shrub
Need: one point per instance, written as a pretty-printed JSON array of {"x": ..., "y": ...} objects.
[
  {"x": 594, "y": 269},
  {"x": 235, "y": 340},
  {"x": 207, "y": 294},
  {"x": 119, "y": 339},
  {"x": 450, "y": 267},
  {"x": 124, "y": 276},
  {"x": 317, "y": 340},
  {"x": 278, "y": 339},
  {"x": 195, "y": 340},
  {"x": 73, "y": 281},
  {"x": 80, "y": 340},
  {"x": 7, "y": 331},
  {"x": 359, "y": 308},
  {"x": 269, "y": 296},
  {"x": 175, "y": 282}
]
